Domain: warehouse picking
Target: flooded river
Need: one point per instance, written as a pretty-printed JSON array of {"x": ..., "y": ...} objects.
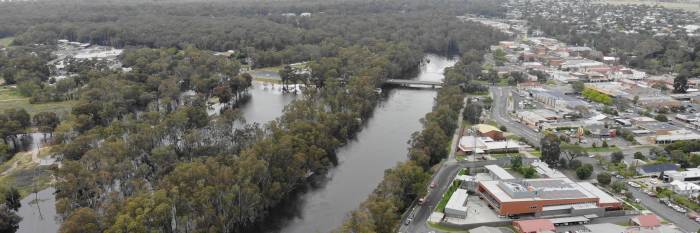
[{"x": 322, "y": 206}]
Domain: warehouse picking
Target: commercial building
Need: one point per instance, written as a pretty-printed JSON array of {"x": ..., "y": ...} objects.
[
  {"x": 457, "y": 205},
  {"x": 481, "y": 145},
  {"x": 544, "y": 170},
  {"x": 659, "y": 128},
  {"x": 579, "y": 64},
  {"x": 490, "y": 131},
  {"x": 536, "y": 118},
  {"x": 691, "y": 175},
  {"x": 467, "y": 182},
  {"x": 614, "y": 228},
  {"x": 685, "y": 188},
  {"x": 556, "y": 100},
  {"x": 675, "y": 136},
  {"x": 687, "y": 118},
  {"x": 545, "y": 197},
  {"x": 498, "y": 173}
]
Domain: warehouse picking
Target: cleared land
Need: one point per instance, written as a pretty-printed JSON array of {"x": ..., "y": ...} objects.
[
  {"x": 271, "y": 74},
  {"x": 689, "y": 6},
  {"x": 5, "y": 42},
  {"x": 11, "y": 99}
]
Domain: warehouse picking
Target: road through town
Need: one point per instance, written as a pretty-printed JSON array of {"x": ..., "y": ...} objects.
[
  {"x": 499, "y": 113},
  {"x": 664, "y": 211}
]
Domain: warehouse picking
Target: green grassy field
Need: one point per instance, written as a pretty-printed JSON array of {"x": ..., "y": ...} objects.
[
  {"x": 671, "y": 5},
  {"x": 5, "y": 42},
  {"x": 10, "y": 98}
]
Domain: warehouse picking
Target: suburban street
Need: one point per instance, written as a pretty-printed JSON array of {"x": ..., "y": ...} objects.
[
  {"x": 664, "y": 211},
  {"x": 499, "y": 113}
]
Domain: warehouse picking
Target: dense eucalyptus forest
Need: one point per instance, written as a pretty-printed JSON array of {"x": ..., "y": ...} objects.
[{"x": 140, "y": 153}]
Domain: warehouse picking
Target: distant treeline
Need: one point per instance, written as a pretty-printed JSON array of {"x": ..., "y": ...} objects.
[{"x": 258, "y": 29}]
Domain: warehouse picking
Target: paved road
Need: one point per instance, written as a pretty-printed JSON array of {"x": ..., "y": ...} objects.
[
  {"x": 443, "y": 179},
  {"x": 448, "y": 169},
  {"x": 664, "y": 211},
  {"x": 499, "y": 113}
]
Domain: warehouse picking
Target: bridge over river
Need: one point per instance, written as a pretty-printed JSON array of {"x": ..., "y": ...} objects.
[{"x": 408, "y": 82}]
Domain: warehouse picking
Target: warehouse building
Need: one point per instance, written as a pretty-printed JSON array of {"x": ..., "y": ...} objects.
[
  {"x": 690, "y": 175},
  {"x": 546, "y": 197},
  {"x": 490, "y": 131},
  {"x": 498, "y": 173},
  {"x": 457, "y": 205},
  {"x": 481, "y": 145}
]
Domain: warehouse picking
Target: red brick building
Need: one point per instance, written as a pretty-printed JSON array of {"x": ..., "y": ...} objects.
[{"x": 549, "y": 196}]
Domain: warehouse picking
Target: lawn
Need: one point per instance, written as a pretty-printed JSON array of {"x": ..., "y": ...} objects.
[
  {"x": 446, "y": 197},
  {"x": 11, "y": 99},
  {"x": 5, "y": 42},
  {"x": 463, "y": 171},
  {"x": 442, "y": 228}
]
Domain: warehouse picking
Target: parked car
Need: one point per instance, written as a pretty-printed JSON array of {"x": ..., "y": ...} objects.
[
  {"x": 433, "y": 184},
  {"x": 408, "y": 221}
]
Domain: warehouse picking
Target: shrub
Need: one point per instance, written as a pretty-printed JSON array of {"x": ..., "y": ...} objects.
[
  {"x": 604, "y": 178},
  {"x": 585, "y": 171}
]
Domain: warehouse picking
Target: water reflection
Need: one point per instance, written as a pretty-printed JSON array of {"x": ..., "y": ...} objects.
[{"x": 38, "y": 212}]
